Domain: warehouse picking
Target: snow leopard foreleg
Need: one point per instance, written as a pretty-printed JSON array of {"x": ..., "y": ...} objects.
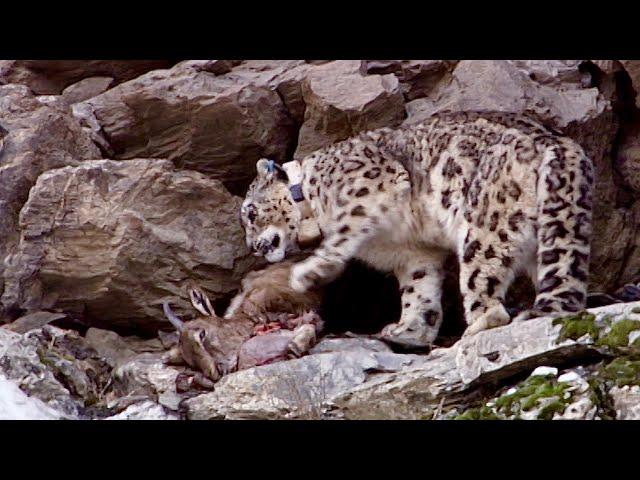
[{"x": 420, "y": 277}]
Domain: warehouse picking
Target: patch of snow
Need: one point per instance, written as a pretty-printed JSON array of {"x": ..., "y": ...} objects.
[{"x": 17, "y": 405}]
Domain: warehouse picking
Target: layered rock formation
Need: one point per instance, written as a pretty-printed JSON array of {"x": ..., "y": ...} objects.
[
  {"x": 121, "y": 180},
  {"x": 113, "y": 240}
]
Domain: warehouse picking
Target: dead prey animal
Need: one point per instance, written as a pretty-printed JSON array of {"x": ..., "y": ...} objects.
[{"x": 267, "y": 321}]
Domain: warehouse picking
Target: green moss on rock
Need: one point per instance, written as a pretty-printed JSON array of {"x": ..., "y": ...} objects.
[
  {"x": 618, "y": 335},
  {"x": 621, "y": 371},
  {"x": 534, "y": 392},
  {"x": 584, "y": 323},
  {"x": 481, "y": 413},
  {"x": 576, "y": 326},
  {"x": 544, "y": 393}
]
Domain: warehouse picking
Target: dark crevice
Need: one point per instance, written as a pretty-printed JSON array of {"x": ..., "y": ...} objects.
[{"x": 296, "y": 126}]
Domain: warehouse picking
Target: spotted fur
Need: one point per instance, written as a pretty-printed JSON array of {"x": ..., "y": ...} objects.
[{"x": 503, "y": 192}]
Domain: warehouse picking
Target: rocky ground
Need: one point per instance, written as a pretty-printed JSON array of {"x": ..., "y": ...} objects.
[{"x": 121, "y": 180}]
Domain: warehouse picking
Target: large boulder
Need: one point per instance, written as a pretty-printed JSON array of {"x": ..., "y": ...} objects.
[
  {"x": 33, "y": 139},
  {"x": 50, "y": 77},
  {"x": 111, "y": 240},
  {"x": 203, "y": 116},
  {"x": 341, "y": 101}
]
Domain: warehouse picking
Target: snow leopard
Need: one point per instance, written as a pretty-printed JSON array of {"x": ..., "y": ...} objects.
[{"x": 503, "y": 192}]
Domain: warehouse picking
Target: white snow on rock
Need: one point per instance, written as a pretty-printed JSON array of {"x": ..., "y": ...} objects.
[{"x": 16, "y": 405}]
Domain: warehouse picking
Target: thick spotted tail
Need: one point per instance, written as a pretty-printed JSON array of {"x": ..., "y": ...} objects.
[{"x": 565, "y": 184}]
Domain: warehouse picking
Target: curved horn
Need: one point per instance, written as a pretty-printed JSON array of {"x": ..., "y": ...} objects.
[{"x": 175, "y": 321}]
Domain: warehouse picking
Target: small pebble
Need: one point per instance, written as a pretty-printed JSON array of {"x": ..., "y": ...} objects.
[
  {"x": 544, "y": 371},
  {"x": 569, "y": 377}
]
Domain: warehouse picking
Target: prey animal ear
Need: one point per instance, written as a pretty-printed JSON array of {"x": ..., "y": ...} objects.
[{"x": 201, "y": 302}]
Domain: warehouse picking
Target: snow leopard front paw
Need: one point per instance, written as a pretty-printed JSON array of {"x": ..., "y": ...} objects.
[
  {"x": 304, "y": 277},
  {"x": 495, "y": 316},
  {"x": 407, "y": 336},
  {"x": 313, "y": 272}
]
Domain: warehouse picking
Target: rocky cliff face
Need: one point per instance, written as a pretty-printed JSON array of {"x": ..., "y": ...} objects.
[{"x": 121, "y": 180}]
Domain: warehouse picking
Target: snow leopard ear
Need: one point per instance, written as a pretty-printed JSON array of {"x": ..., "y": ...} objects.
[
  {"x": 269, "y": 169},
  {"x": 264, "y": 167}
]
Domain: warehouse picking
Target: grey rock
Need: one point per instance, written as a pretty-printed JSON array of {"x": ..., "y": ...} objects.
[
  {"x": 418, "y": 78},
  {"x": 33, "y": 321},
  {"x": 34, "y": 138},
  {"x": 147, "y": 377},
  {"x": 51, "y": 77},
  {"x": 54, "y": 366},
  {"x": 291, "y": 389},
  {"x": 327, "y": 345},
  {"x": 360, "y": 384},
  {"x": 626, "y": 401},
  {"x": 341, "y": 101},
  {"x": 85, "y": 89},
  {"x": 112, "y": 240},
  {"x": 146, "y": 410},
  {"x": 218, "y": 124}
]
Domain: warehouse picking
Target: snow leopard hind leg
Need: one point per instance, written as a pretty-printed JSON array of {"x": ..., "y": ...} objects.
[{"x": 565, "y": 189}]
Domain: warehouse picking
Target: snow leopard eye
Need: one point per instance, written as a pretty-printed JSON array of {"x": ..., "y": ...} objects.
[{"x": 252, "y": 213}]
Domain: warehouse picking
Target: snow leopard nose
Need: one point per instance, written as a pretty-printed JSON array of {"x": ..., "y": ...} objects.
[{"x": 264, "y": 246}]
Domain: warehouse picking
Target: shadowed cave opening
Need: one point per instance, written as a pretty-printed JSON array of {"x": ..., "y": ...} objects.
[{"x": 363, "y": 301}]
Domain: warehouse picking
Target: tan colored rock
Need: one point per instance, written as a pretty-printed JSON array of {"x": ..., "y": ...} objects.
[
  {"x": 216, "y": 123},
  {"x": 33, "y": 321},
  {"x": 33, "y": 138},
  {"x": 116, "y": 349},
  {"x": 85, "y": 89},
  {"x": 341, "y": 101},
  {"x": 418, "y": 78},
  {"x": 50, "y": 77},
  {"x": 506, "y": 86},
  {"x": 113, "y": 240}
]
